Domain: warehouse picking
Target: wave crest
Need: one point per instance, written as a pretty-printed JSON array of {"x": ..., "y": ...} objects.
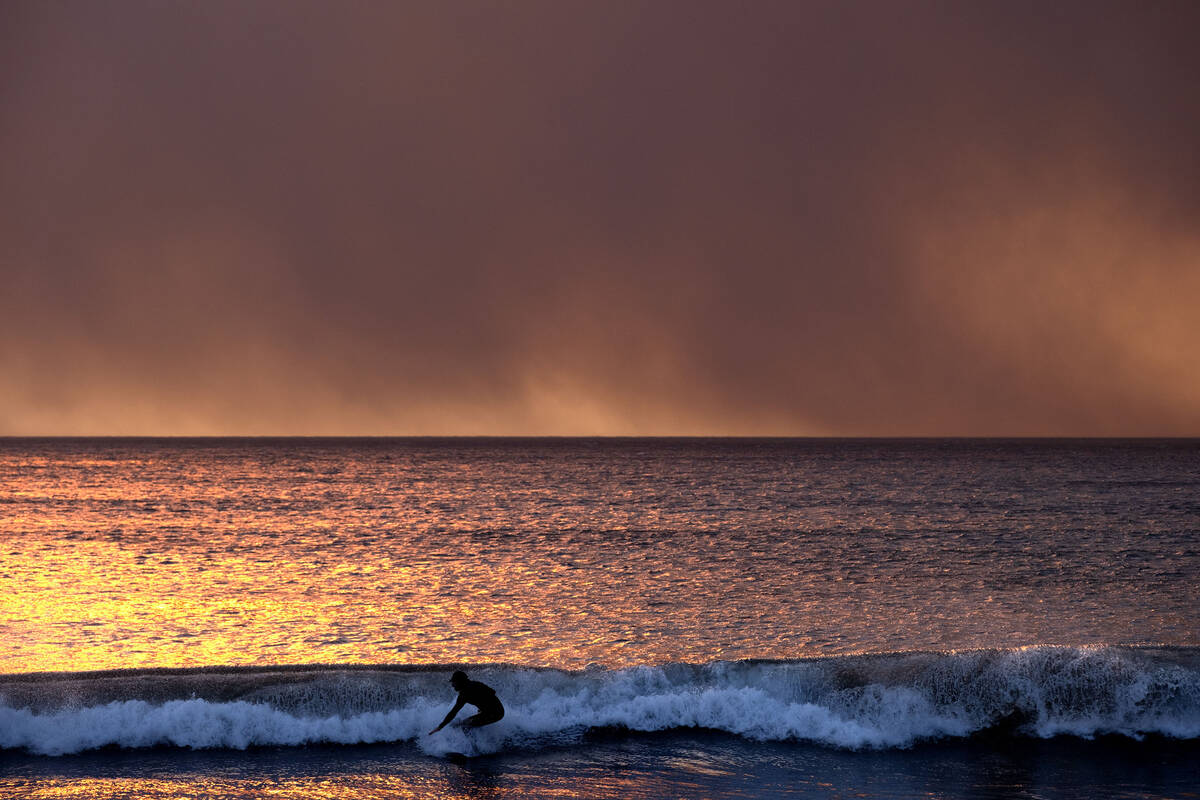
[{"x": 870, "y": 701}]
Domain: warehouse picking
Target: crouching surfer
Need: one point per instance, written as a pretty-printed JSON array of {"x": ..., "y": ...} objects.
[{"x": 477, "y": 694}]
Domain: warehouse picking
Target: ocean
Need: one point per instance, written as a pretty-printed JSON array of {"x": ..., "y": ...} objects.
[{"x": 236, "y": 618}]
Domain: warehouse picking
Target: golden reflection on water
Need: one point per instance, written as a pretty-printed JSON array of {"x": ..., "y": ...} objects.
[
  {"x": 93, "y": 604},
  {"x": 448, "y": 782},
  {"x": 111, "y": 563},
  {"x": 345, "y": 788},
  {"x": 160, "y": 554}
]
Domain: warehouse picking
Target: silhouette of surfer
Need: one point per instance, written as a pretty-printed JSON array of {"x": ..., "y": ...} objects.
[{"x": 477, "y": 694}]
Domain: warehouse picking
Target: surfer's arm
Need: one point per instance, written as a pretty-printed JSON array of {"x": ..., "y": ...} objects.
[{"x": 454, "y": 711}]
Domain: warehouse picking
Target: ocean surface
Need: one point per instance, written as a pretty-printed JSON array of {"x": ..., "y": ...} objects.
[{"x": 235, "y": 618}]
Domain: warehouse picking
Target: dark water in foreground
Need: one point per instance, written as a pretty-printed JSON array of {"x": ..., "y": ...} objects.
[
  {"x": 640, "y": 767},
  {"x": 615, "y": 586}
]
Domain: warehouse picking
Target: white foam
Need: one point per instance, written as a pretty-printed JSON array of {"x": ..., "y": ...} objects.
[
  {"x": 193, "y": 723},
  {"x": 863, "y": 702}
]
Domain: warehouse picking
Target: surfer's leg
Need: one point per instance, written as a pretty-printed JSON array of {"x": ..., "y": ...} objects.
[{"x": 481, "y": 719}]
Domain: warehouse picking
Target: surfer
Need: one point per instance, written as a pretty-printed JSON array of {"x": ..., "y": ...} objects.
[{"x": 477, "y": 694}]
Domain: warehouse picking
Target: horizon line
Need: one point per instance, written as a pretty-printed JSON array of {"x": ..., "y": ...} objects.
[{"x": 613, "y": 437}]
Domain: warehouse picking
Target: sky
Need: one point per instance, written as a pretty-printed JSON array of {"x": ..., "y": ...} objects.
[{"x": 789, "y": 218}]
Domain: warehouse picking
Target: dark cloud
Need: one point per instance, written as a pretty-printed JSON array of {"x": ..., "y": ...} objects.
[{"x": 557, "y": 217}]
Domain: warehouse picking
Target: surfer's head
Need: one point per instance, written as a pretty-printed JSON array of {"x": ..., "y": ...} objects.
[{"x": 458, "y": 679}]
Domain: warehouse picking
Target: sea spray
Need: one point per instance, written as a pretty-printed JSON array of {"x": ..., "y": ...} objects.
[{"x": 869, "y": 701}]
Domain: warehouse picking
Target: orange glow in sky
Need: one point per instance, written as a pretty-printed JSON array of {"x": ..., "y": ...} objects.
[{"x": 813, "y": 219}]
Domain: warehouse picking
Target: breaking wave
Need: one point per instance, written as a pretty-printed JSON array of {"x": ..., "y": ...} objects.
[{"x": 867, "y": 701}]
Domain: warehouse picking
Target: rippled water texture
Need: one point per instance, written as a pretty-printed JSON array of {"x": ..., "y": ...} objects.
[
  {"x": 127, "y": 553},
  {"x": 646, "y": 768}
]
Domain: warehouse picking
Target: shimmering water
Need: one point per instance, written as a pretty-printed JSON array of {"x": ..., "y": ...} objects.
[
  {"x": 562, "y": 553},
  {"x": 626, "y": 560}
]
